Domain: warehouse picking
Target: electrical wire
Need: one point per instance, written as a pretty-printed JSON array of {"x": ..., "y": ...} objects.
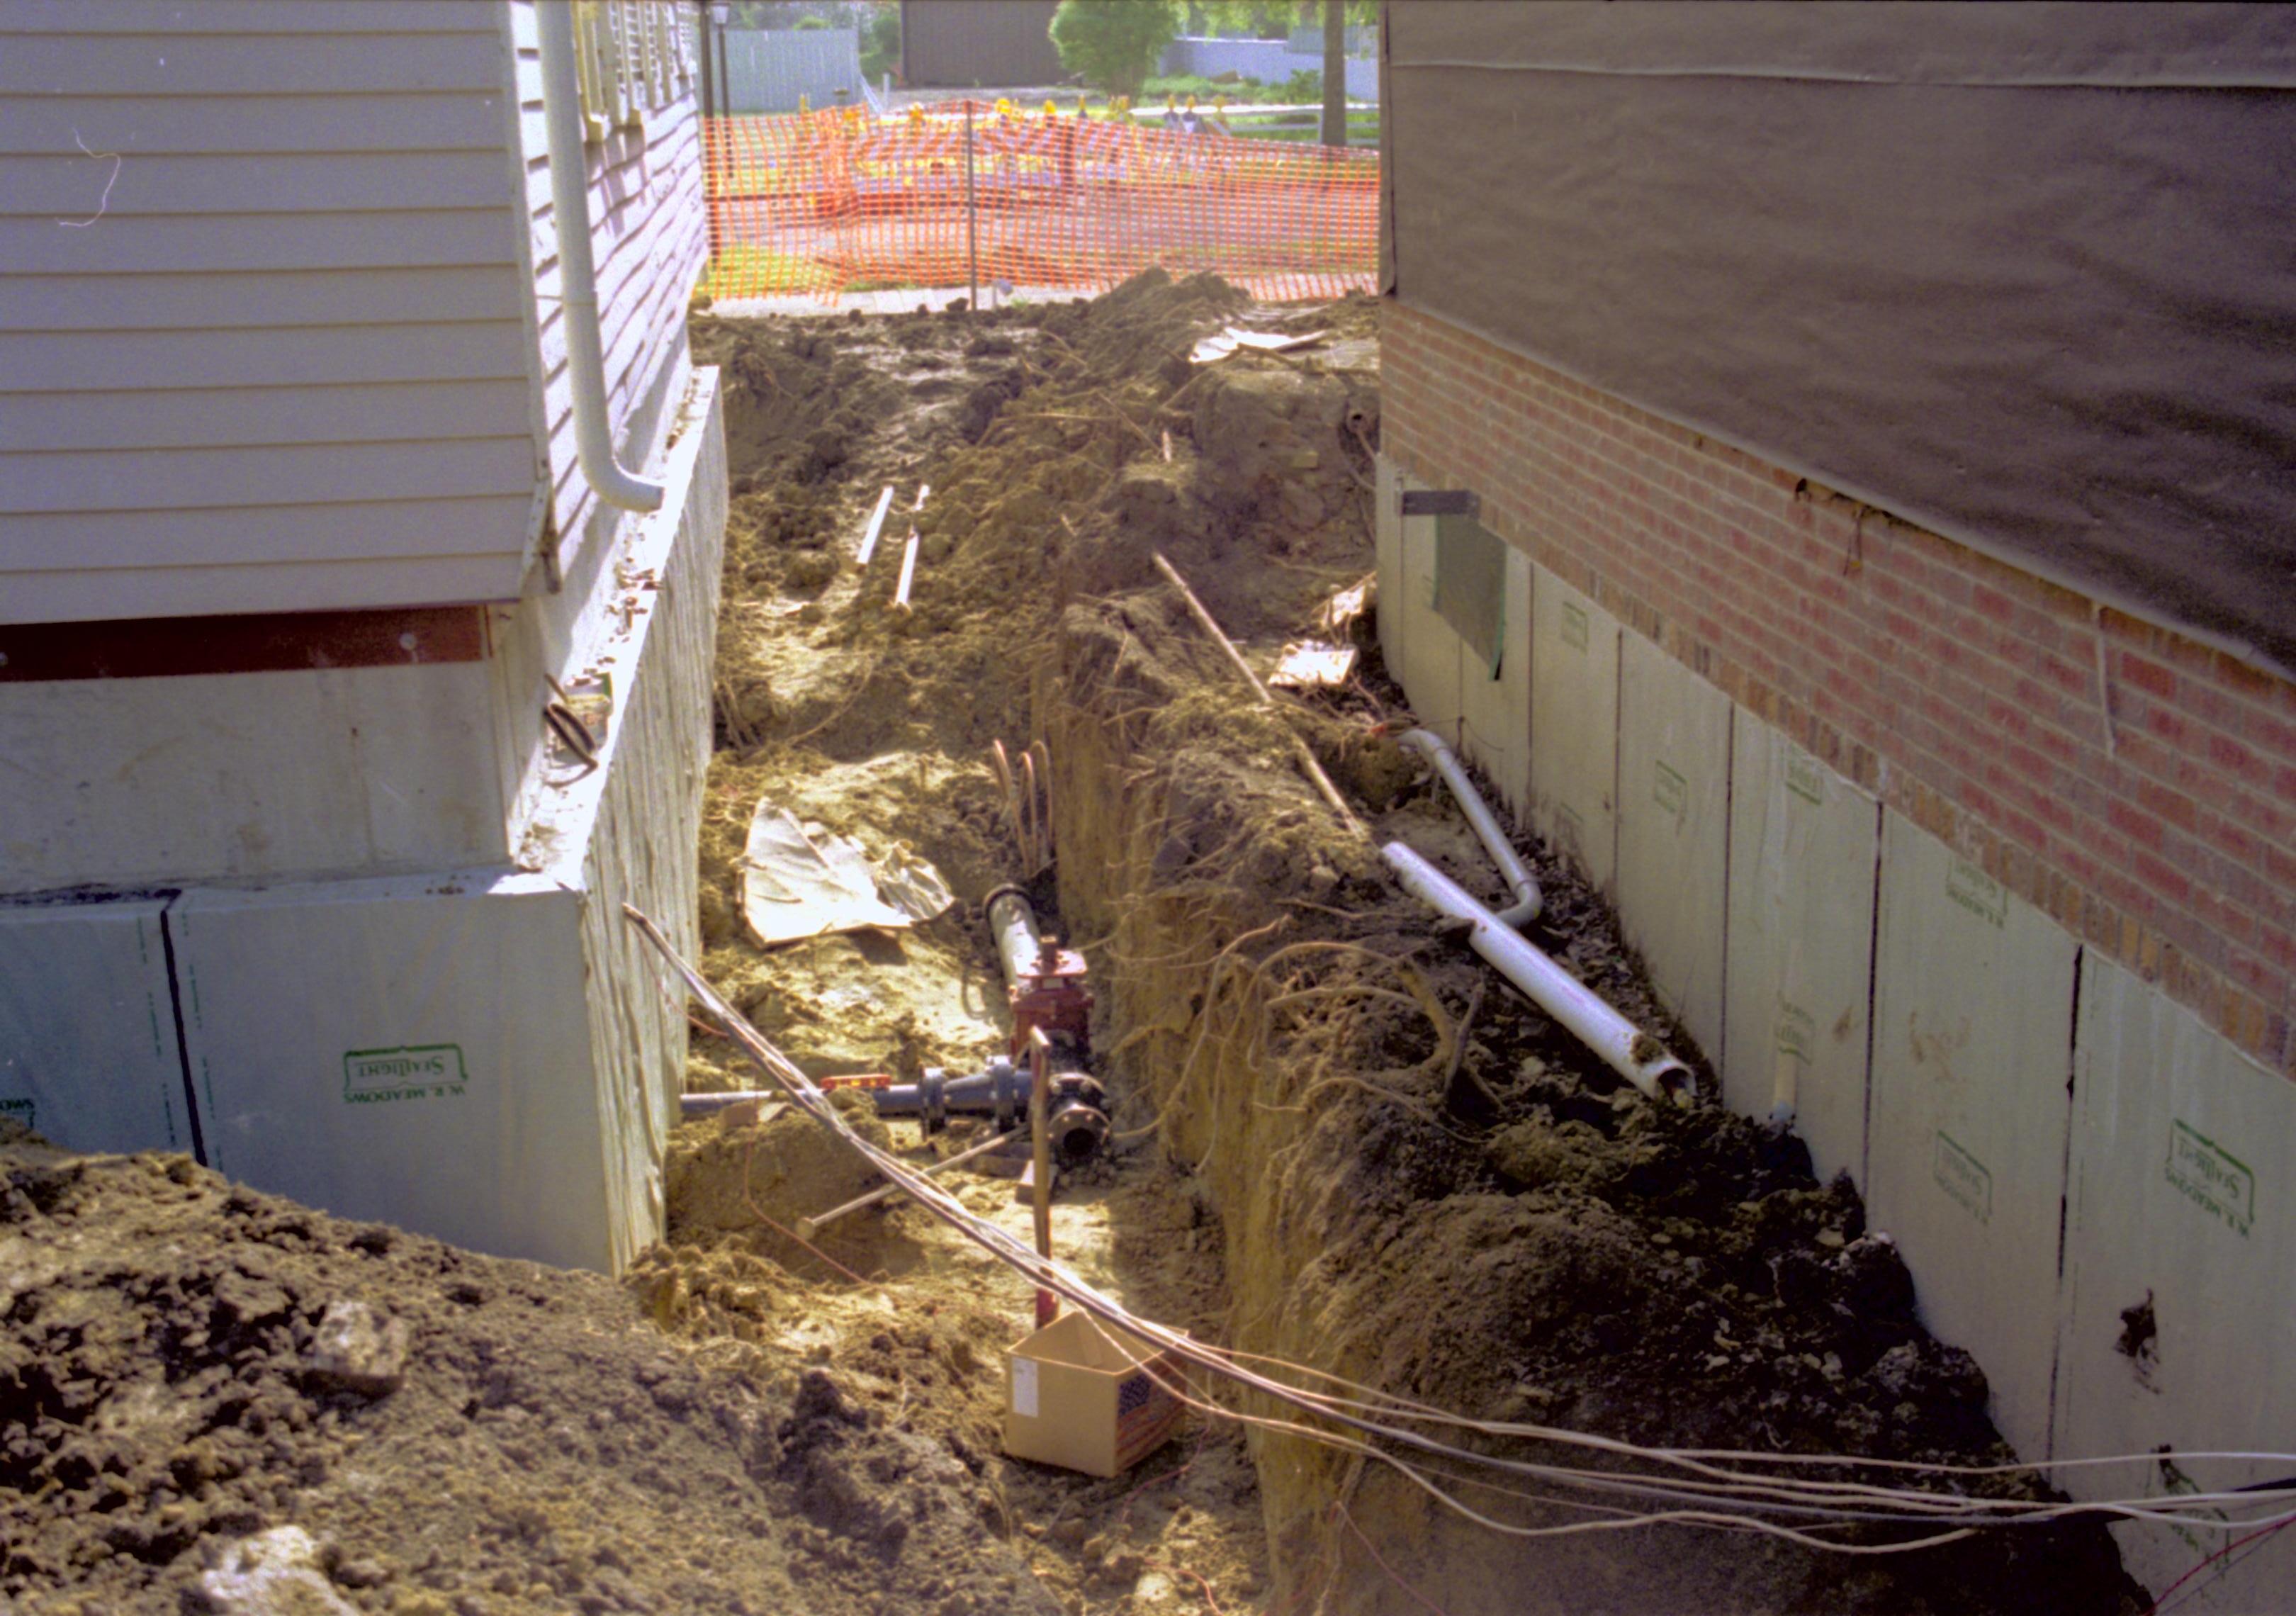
[{"x": 1697, "y": 1481}]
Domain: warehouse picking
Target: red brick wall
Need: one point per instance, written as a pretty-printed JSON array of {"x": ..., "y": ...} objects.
[{"x": 1961, "y": 691}]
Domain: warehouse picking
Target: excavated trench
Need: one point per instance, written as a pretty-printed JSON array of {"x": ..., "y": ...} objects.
[{"x": 1343, "y": 1142}]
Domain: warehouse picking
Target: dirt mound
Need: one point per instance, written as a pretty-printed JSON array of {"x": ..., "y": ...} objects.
[
  {"x": 1427, "y": 1186},
  {"x": 514, "y": 1439}
]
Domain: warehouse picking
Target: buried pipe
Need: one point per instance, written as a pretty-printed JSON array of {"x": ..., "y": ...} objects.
[
  {"x": 1019, "y": 945},
  {"x": 1625, "y": 1048},
  {"x": 1528, "y": 902}
]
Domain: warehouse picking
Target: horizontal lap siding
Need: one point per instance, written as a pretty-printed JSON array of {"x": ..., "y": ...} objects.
[
  {"x": 267, "y": 347},
  {"x": 649, "y": 242}
]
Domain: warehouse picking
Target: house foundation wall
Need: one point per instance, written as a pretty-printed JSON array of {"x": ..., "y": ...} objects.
[{"x": 2006, "y": 942}]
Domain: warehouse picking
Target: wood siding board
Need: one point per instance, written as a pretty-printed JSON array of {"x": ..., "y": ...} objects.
[
  {"x": 257, "y": 298},
  {"x": 242, "y": 65},
  {"x": 187, "y": 418},
  {"x": 76, "y": 361},
  {"x": 80, "y": 596},
  {"x": 88, "y": 360},
  {"x": 109, "y": 542},
  {"x": 74, "y": 187},
  {"x": 94, "y": 482},
  {"x": 305, "y": 125},
  {"x": 236, "y": 242},
  {"x": 24, "y": 17}
]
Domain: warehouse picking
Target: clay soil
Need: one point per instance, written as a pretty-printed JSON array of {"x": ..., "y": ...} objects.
[{"x": 1342, "y": 1141}]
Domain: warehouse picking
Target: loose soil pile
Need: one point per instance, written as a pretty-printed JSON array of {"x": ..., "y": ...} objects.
[{"x": 521, "y": 1441}]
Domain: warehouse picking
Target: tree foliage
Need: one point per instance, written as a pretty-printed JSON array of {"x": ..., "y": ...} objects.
[{"x": 1116, "y": 45}]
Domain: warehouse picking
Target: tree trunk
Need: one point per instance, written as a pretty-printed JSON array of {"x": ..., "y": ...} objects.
[{"x": 1335, "y": 73}]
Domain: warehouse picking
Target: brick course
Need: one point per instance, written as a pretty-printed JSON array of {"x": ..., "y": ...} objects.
[{"x": 2154, "y": 816}]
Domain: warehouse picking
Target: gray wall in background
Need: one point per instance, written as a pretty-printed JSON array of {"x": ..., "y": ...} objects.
[
  {"x": 766, "y": 70},
  {"x": 1269, "y": 60}
]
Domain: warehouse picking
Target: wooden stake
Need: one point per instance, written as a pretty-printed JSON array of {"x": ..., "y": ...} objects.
[
  {"x": 1314, "y": 770},
  {"x": 876, "y": 526},
  {"x": 806, "y": 1227},
  {"x": 1040, "y": 1145}
]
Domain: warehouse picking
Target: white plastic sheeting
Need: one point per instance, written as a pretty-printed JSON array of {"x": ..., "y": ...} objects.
[
  {"x": 801, "y": 880},
  {"x": 2179, "y": 1252},
  {"x": 1574, "y": 725},
  {"x": 1972, "y": 1054},
  {"x": 1674, "y": 830},
  {"x": 88, "y": 1056},
  {"x": 1803, "y": 847}
]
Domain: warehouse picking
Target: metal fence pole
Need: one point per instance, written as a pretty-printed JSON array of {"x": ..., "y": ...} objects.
[{"x": 972, "y": 221}]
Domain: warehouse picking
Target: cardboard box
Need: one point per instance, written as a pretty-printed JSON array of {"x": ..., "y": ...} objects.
[{"x": 1087, "y": 1396}]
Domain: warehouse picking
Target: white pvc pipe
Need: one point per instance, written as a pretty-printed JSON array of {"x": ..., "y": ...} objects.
[
  {"x": 1633, "y": 1054},
  {"x": 577, "y": 276},
  {"x": 1519, "y": 878}
]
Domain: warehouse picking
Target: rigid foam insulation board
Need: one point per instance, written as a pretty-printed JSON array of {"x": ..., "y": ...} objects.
[
  {"x": 413, "y": 1050},
  {"x": 1799, "y": 941},
  {"x": 1965, "y": 1153},
  {"x": 1433, "y": 651},
  {"x": 1674, "y": 830},
  {"x": 1574, "y": 725},
  {"x": 1387, "y": 546},
  {"x": 2180, "y": 1245},
  {"x": 1494, "y": 712},
  {"x": 88, "y": 1056}
]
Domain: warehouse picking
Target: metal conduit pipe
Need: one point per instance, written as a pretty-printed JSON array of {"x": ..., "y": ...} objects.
[
  {"x": 1528, "y": 902},
  {"x": 1013, "y": 922},
  {"x": 1626, "y": 1049},
  {"x": 577, "y": 276}
]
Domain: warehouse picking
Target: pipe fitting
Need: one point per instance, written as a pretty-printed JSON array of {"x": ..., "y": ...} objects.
[{"x": 1527, "y": 900}]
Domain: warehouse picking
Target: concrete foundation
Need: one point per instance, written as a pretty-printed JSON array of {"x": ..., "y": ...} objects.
[
  {"x": 1996, "y": 1088},
  {"x": 480, "y": 1051}
]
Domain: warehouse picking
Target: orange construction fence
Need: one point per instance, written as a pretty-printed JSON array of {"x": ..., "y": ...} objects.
[{"x": 827, "y": 202}]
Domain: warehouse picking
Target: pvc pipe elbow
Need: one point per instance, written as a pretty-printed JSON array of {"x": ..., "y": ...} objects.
[{"x": 1530, "y": 902}]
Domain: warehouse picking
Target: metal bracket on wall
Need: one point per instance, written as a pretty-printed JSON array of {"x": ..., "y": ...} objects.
[{"x": 1441, "y": 502}]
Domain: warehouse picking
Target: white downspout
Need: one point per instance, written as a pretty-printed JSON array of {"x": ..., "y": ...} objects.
[
  {"x": 1519, "y": 878},
  {"x": 577, "y": 276}
]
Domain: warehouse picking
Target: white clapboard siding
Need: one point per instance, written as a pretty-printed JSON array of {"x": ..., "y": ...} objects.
[
  {"x": 380, "y": 122},
  {"x": 103, "y": 543},
  {"x": 60, "y": 362},
  {"x": 315, "y": 62},
  {"x": 448, "y": 294},
  {"x": 73, "y": 185},
  {"x": 246, "y": 17},
  {"x": 183, "y": 418},
  {"x": 206, "y": 242},
  {"x": 92, "y": 480},
  {"x": 649, "y": 241},
  {"x": 266, "y": 342},
  {"x": 81, "y": 593}
]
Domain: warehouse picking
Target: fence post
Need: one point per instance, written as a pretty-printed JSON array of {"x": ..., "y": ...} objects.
[{"x": 971, "y": 222}]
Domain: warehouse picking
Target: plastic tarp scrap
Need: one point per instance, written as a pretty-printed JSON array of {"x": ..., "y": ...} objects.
[
  {"x": 798, "y": 879},
  {"x": 1310, "y": 664},
  {"x": 1225, "y": 342}
]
